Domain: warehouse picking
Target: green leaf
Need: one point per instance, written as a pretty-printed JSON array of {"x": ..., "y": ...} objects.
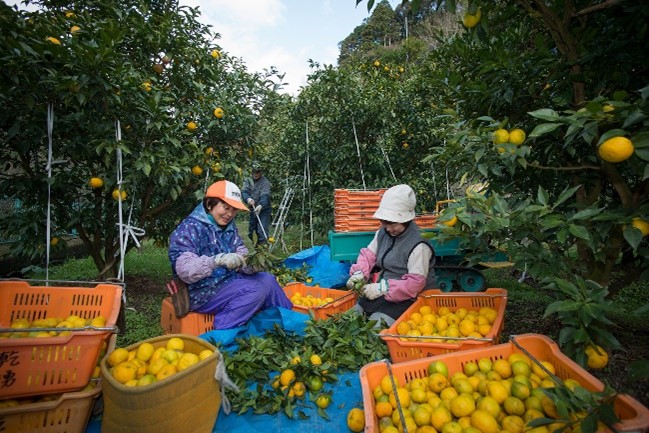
[
  {"x": 610, "y": 134},
  {"x": 545, "y": 114},
  {"x": 543, "y": 128},
  {"x": 565, "y": 195},
  {"x": 542, "y": 196},
  {"x": 633, "y": 236},
  {"x": 585, "y": 214}
]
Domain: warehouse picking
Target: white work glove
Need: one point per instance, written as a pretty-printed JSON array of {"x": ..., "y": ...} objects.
[
  {"x": 251, "y": 202},
  {"x": 258, "y": 209},
  {"x": 230, "y": 260},
  {"x": 355, "y": 278},
  {"x": 376, "y": 290}
]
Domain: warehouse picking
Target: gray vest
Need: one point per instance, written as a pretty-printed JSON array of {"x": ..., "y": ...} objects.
[{"x": 393, "y": 252}]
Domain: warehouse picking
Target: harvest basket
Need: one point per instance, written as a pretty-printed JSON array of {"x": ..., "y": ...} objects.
[
  {"x": 188, "y": 401},
  {"x": 193, "y": 323},
  {"x": 343, "y": 299},
  {"x": 36, "y": 366},
  {"x": 634, "y": 417},
  {"x": 67, "y": 414},
  {"x": 402, "y": 349}
]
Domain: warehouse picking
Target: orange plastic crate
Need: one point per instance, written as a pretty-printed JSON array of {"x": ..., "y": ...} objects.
[
  {"x": 426, "y": 221},
  {"x": 634, "y": 417},
  {"x": 193, "y": 324},
  {"x": 407, "y": 350},
  {"x": 343, "y": 299},
  {"x": 67, "y": 414},
  {"x": 35, "y": 366}
]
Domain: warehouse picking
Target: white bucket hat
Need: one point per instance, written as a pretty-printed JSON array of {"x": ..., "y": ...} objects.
[{"x": 397, "y": 205}]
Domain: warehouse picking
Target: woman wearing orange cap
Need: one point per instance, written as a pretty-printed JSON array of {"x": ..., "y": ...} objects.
[{"x": 207, "y": 254}]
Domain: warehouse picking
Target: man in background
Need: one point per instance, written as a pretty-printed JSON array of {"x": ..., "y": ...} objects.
[{"x": 256, "y": 194}]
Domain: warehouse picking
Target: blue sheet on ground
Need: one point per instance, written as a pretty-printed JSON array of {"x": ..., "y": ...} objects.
[
  {"x": 346, "y": 392},
  {"x": 324, "y": 272}
]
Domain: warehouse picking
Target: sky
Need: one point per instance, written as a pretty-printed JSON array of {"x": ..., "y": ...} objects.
[{"x": 281, "y": 33}]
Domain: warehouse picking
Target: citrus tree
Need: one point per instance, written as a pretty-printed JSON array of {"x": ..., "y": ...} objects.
[{"x": 140, "y": 78}]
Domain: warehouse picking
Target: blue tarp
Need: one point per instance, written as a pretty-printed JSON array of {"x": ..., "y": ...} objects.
[
  {"x": 326, "y": 273},
  {"x": 346, "y": 392}
]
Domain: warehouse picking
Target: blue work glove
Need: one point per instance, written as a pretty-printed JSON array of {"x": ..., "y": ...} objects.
[
  {"x": 355, "y": 278},
  {"x": 376, "y": 290},
  {"x": 230, "y": 260}
]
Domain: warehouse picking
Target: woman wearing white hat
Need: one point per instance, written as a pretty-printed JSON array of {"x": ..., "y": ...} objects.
[{"x": 398, "y": 262}]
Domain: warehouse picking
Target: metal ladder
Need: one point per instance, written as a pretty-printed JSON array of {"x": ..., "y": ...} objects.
[{"x": 280, "y": 218}]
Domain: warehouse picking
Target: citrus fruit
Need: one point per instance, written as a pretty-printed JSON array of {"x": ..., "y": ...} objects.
[
  {"x": 642, "y": 225},
  {"x": 383, "y": 408},
  {"x": 287, "y": 377},
  {"x": 521, "y": 368},
  {"x": 116, "y": 357},
  {"x": 215, "y": 54},
  {"x": 440, "y": 416},
  {"x": 315, "y": 383},
  {"x": 438, "y": 367},
  {"x": 219, "y": 113},
  {"x": 146, "y": 86},
  {"x": 543, "y": 371},
  {"x": 452, "y": 427},
  {"x": 166, "y": 371},
  {"x": 147, "y": 379},
  {"x": 116, "y": 195},
  {"x": 471, "y": 20},
  {"x": 124, "y": 372},
  {"x": 175, "y": 343},
  {"x": 437, "y": 382},
  {"x": 144, "y": 351},
  {"x": 403, "y": 395},
  {"x": 323, "y": 401},
  {"x": 517, "y": 136},
  {"x": 484, "y": 421},
  {"x": 503, "y": 368},
  {"x": 616, "y": 149},
  {"x": 315, "y": 360},
  {"x": 514, "y": 406},
  {"x": 96, "y": 182},
  {"x": 462, "y": 405},
  {"x": 197, "y": 170},
  {"x": 187, "y": 360},
  {"x": 386, "y": 384},
  {"x": 513, "y": 424},
  {"x": 53, "y": 40},
  {"x": 597, "y": 357},
  {"x": 356, "y": 420},
  {"x": 500, "y": 136},
  {"x": 191, "y": 126}
]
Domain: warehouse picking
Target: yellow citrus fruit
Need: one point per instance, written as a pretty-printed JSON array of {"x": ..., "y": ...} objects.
[
  {"x": 299, "y": 389},
  {"x": 452, "y": 427},
  {"x": 383, "y": 408},
  {"x": 421, "y": 415},
  {"x": 117, "y": 356},
  {"x": 514, "y": 406},
  {"x": 175, "y": 343},
  {"x": 500, "y": 136},
  {"x": 147, "y": 379},
  {"x": 215, "y": 54},
  {"x": 642, "y": 225},
  {"x": 144, "y": 351},
  {"x": 437, "y": 382},
  {"x": 543, "y": 372},
  {"x": 462, "y": 405},
  {"x": 513, "y": 424},
  {"x": 452, "y": 222},
  {"x": 157, "y": 353},
  {"x": 323, "y": 401},
  {"x": 489, "y": 404},
  {"x": 166, "y": 371},
  {"x": 597, "y": 357},
  {"x": 96, "y": 182},
  {"x": 484, "y": 421},
  {"x": 219, "y": 113},
  {"x": 616, "y": 149},
  {"x": 197, "y": 170},
  {"x": 315, "y": 360},
  {"x": 116, "y": 194},
  {"x": 295, "y": 360},
  {"x": 440, "y": 416},
  {"x": 497, "y": 391},
  {"x": 485, "y": 365},
  {"x": 471, "y": 20},
  {"x": 191, "y": 126},
  {"x": 53, "y": 40},
  {"x": 521, "y": 368},
  {"x": 403, "y": 395},
  {"x": 356, "y": 420},
  {"x": 124, "y": 372},
  {"x": 187, "y": 360},
  {"x": 521, "y": 390},
  {"x": 503, "y": 368},
  {"x": 146, "y": 86},
  {"x": 517, "y": 136},
  {"x": 156, "y": 365},
  {"x": 287, "y": 377},
  {"x": 386, "y": 384}
]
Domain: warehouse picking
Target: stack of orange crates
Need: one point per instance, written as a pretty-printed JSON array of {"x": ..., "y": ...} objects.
[
  {"x": 343, "y": 300},
  {"x": 33, "y": 367},
  {"x": 354, "y": 210}
]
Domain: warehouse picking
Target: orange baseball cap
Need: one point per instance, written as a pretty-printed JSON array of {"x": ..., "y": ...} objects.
[{"x": 228, "y": 192}]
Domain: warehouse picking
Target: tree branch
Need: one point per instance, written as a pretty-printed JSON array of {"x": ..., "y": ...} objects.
[
  {"x": 590, "y": 9},
  {"x": 571, "y": 168}
]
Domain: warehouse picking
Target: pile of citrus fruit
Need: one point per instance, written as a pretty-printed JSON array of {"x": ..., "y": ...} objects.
[
  {"x": 147, "y": 364},
  {"x": 72, "y": 321},
  {"x": 487, "y": 396},
  {"x": 434, "y": 326},
  {"x": 309, "y": 300},
  {"x": 302, "y": 376}
]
